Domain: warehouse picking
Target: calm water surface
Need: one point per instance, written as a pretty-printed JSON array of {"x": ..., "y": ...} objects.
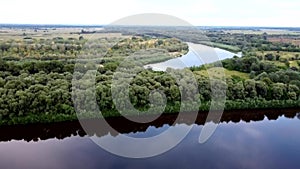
[
  {"x": 198, "y": 55},
  {"x": 244, "y": 139}
]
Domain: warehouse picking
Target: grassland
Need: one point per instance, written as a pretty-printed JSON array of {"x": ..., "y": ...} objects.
[
  {"x": 261, "y": 31},
  {"x": 217, "y": 72},
  {"x": 222, "y": 46},
  {"x": 50, "y": 33},
  {"x": 282, "y": 54},
  {"x": 281, "y": 57}
]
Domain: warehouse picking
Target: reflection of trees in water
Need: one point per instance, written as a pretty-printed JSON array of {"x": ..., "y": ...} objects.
[
  {"x": 298, "y": 115},
  {"x": 63, "y": 130}
]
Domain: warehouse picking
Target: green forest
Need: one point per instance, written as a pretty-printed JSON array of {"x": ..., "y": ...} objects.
[{"x": 36, "y": 74}]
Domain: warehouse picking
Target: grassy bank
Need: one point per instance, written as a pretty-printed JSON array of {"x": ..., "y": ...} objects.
[{"x": 230, "y": 48}]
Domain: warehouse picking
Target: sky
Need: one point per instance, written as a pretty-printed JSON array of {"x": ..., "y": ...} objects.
[{"x": 277, "y": 13}]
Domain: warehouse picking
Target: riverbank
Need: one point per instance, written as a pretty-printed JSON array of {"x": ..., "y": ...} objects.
[
  {"x": 230, "y": 48},
  {"x": 170, "y": 109}
]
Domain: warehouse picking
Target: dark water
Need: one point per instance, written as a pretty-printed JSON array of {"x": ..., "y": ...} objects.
[{"x": 244, "y": 139}]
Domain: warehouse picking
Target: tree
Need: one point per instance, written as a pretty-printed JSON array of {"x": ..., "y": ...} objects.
[
  {"x": 278, "y": 90},
  {"x": 261, "y": 89},
  {"x": 254, "y": 67},
  {"x": 204, "y": 88},
  {"x": 2, "y": 82},
  {"x": 269, "y": 56},
  {"x": 250, "y": 88},
  {"x": 292, "y": 95},
  {"x": 238, "y": 90}
]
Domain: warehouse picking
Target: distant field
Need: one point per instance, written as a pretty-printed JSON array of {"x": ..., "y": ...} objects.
[
  {"x": 282, "y": 54},
  {"x": 280, "y": 32},
  {"x": 261, "y": 31},
  {"x": 6, "y": 33},
  {"x": 294, "y": 64},
  {"x": 217, "y": 71},
  {"x": 285, "y": 40},
  {"x": 258, "y": 32},
  {"x": 291, "y": 57}
]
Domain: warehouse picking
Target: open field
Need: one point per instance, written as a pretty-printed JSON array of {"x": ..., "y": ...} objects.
[
  {"x": 291, "y": 40},
  {"x": 282, "y": 54},
  {"x": 216, "y": 72},
  {"x": 261, "y": 31},
  {"x": 47, "y": 33}
]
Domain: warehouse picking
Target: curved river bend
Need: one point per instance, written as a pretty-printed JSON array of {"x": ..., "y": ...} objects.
[{"x": 198, "y": 55}]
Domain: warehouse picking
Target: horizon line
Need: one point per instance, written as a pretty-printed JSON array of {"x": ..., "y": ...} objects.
[{"x": 102, "y": 25}]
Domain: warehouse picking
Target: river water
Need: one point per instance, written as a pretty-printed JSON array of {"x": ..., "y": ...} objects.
[
  {"x": 198, "y": 55},
  {"x": 243, "y": 139}
]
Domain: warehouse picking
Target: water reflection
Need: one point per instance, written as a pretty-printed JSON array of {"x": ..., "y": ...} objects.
[
  {"x": 244, "y": 139},
  {"x": 298, "y": 116},
  {"x": 63, "y": 130}
]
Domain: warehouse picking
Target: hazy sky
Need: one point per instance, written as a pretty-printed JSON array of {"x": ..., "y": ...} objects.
[{"x": 197, "y": 12}]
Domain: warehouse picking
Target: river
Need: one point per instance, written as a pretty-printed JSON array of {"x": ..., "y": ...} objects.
[
  {"x": 197, "y": 55},
  {"x": 243, "y": 139}
]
